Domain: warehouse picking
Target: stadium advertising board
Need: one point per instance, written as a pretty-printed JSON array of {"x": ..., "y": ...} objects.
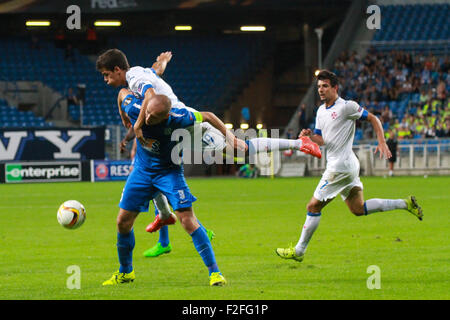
[
  {"x": 52, "y": 144},
  {"x": 24, "y": 172},
  {"x": 110, "y": 170}
]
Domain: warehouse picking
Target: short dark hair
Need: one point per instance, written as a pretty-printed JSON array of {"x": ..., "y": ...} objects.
[
  {"x": 328, "y": 75},
  {"x": 112, "y": 58}
]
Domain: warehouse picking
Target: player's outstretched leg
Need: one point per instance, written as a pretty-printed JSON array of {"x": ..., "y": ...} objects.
[
  {"x": 202, "y": 244},
  {"x": 159, "y": 222},
  {"x": 303, "y": 144},
  {"x": 380, "y": 205},
  {"x": 414, "y": 207}
]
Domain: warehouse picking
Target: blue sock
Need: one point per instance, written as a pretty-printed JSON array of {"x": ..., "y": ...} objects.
[
  {"x": 163, "y": 233},
  {"x": 204, "y": 248},
  {"x": 164, "y": 236},
  {"x": 201, "y": 226},
  {"x": 125, "y": 246}
]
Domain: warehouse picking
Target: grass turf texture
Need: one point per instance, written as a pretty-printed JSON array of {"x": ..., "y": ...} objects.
[{"x": 250, "y": 218}]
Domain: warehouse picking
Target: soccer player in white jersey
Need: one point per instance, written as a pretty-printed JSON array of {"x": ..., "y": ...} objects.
[{"x": 335, "y": 129}]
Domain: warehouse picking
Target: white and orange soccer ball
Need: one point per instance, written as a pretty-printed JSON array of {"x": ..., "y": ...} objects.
[{"x": 71, "y": 214}]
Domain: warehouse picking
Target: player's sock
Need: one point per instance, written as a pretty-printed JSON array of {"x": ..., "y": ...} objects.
[
  {"x": 164, "y": 236},
  {"x": 201, "y": 226},
  {"x": 204, "y": 248},
  {"x": 125, "y": 246},
  {"x": 311, "y": 224},
  {"x": 256, "y": 145},
  {"x": 377, "y": 205}
]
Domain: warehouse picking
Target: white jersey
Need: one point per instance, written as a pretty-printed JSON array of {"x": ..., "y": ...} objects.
[
  {"x": 140, "y": 79},
  {"x": 336, "y": 125}
]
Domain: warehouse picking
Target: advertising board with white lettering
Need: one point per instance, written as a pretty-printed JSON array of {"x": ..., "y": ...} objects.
[
  {"x": 52, "y": 144},
  {"x": 110, "y": 170},
  {"x": 24, "y": 172}
]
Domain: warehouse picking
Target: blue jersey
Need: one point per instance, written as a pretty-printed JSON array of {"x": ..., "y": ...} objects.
[{"x": 157, "y": 155}]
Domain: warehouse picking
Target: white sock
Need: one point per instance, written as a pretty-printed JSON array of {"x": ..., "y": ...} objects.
[
  {"x": 311, "y": 224},
  {"x": 377, "y": 205},
  {"x": 256, "y": 145},
  {"x": 161, "y": 203}
]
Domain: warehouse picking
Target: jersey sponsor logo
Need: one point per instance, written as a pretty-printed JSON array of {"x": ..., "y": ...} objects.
[
  {"x": 176, "y": 115},
  {"x": 359, "y": 109},
  {"x": 127, "y": 101},
  {"x": 334, "y": 115}
]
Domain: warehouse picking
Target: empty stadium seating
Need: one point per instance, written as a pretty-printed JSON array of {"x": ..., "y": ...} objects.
[
  {"x": 204, "y": 71},
  {"x": 419, "y": 22},
  {"x": 11, "y": 117}
]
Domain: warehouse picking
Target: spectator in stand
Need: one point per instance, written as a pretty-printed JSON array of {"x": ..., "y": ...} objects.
[
  {"x": 386, "y": 115},
  {"x": 424, "y": 96},
  {"x": 392, "y": 144},
  {"x": 421, "y": 126},
  {"x": 404, "y": 132},
  {"x": 430, "y": 132},
  {"x": 441, "y": 91},
  {"x": 72, "y": 99}
]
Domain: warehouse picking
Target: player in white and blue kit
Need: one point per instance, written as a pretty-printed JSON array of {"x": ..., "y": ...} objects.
[{"x": 335, "y": 128}]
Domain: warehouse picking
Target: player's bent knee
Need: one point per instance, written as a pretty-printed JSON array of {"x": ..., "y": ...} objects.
[
  {"x": 313, "y": 207},
  {"x": 187, "y": 219},
  {"x": 125, "y": 221},
  {"x": 357, "y": 211}
]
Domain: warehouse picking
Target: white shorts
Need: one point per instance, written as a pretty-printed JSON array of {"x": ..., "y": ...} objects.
[
  {"x": 334, "y": 183},
  {"x": 212, "y": 139}
]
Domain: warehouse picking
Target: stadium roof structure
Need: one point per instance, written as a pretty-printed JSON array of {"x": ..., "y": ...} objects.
[{"x": 121, "y": 6}]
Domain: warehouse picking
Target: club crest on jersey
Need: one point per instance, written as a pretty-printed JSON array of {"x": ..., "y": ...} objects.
[
  {"x": 334, "y": 115},
  {"x": 127, "y": 101}
]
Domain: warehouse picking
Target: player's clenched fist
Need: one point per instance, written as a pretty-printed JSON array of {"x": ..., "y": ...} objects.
[{"x": 305, "y": 132}]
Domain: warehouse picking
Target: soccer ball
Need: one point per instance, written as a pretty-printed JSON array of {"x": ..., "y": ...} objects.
[{"x": 71, "y": 214}]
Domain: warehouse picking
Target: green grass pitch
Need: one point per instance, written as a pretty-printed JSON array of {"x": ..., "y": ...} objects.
[{"x": 250, "y": 218}]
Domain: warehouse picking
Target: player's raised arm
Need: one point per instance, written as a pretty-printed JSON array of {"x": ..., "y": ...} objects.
[
  {"x": 161, "y": 62},
  {"x": 125, "y": 120},
  {"x": 378, "y": 128},
  {"x": 149, "y": 93},
  {"x": 219, "y": 125},
  {"x": 316, "y": 137}
]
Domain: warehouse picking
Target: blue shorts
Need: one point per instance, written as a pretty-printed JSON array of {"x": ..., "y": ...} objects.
[{"x": 143, "y": 185}]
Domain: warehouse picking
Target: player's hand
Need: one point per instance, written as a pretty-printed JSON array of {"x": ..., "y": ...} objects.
[
  {"x": 384, "y": 150},
  {"x": 140, "y": 137},
  {"x": 165, "y": 56},
  {"x": 123, "y": 145},
  {"x": 240, "y": 144},
  {"x": 305, "y": 133}
]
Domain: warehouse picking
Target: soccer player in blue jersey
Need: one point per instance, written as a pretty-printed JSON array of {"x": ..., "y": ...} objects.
[{"x": 155, "y": 171}]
